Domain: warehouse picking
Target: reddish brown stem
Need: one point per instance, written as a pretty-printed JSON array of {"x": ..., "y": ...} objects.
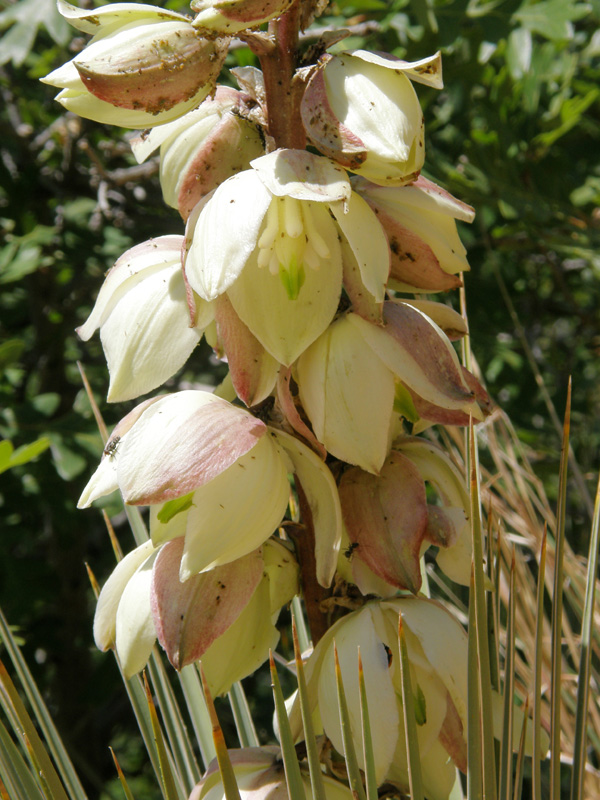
[
  {"x": 312, "y": 591},
  {"x": 283, "y": 97}
]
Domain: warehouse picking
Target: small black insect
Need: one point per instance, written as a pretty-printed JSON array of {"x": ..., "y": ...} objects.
[
  {"x": 350, "y": 549},
  {"x": 111, "y": 446},
  {"x": 389, "y": 654}
]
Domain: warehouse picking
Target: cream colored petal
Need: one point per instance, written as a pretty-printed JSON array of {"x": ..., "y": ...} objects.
[
  {"x": 95, "y": 20},
  {"x": 302, "y": 175},
  {"x": 321, "y": 492},
  {"x": 108, "y": 601},
  {"x": 225, "y": 234},
  {"x": 427, "y": 70},
  {"x": 367, "y": 239},
  {"x": 287, "y": 327},
  {"x": 336, "y": 376},
  {"x": 134, "y": 631},
  {"x": 148, "y": 337},
  {"x": 237, "y": 511},
  {"x": 180, "y": 442}
]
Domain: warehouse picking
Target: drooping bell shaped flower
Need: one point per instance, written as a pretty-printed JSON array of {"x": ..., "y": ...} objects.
[
  {"x": 337, "y": 373},
  {"x": 202, "y": 149},
  {"x": 231, "y": 471},
  {"x": 144, "y": 65},
  {"x": 232, "y": 16},
  {"x": 142, "y": 313},
  {"x": 437, "y": 651},
  {"x": 225, "y": 616},
  {"x": 270, "y": 238},
  {"x": 259, "y": 775},
  {"x": 360, "y": 109},
  {"x": 420, "y": 223}
]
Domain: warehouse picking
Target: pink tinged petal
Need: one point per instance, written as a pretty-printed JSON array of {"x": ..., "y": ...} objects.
[
  {"x": 414, "y": 265},
  {"x": 444, "y": 201},
  {"x": 230, "y": 147},
  {"x": 363, "y": 303},
  {"x": 181, "y": 442},
  {"x": 204, "y": 117},
  {"x": 429, "y": 213},
  {"x": 378, "y": 105},
  {"x": 135, "y": 631},
  {"x": 287, "y": 327},
  {"x": 320, "y": 489},
  {"x": 367, "y": 241},
  {"x": 133, "y": 267},
  {"x": 336, "y": 376},
  {"x": 244, "y": 646},
  {"x": 189, "y": 616},
  {"x": 236, "y": 15},
  {"x": 386, "y": 516},
  {"x": 225, "y": 234},
  {"x": 419, "y": 353},
  {"x": 325, "y": 130},
  {"x": 302, "y": 175},
  {"x": 253, "y": 370},
  {"x": 358, "y": 630},
  {"x": 452, "y": 736},
  {"x": 238, "y": 510},
  {"x": 433, "y": 413},
  {"x": 427, "y": 70},
  {"x": 443, "y": 525},
  {"x": 151, "y": 67},
  {"x": 108, "y": 601},
  {"x": 288, "y": 406}
]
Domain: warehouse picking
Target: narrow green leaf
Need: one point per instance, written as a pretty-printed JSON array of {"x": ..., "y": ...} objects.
[
  {"x": 303, "y": 635},
  {"x": 6, "y": 451},
  {"x": 27, "y": 452},
  {"x": 354, "y": 777},
  {"x": 369, "y": 755},
  {"x": 410, "y": 723},
  {"x": 185, "y": 764},
  {"x": 24, "y": 727},
  {"x": 166, "y": 773},
  {"x": 196, "y": 705},
  {"x": 242, "y": 717},
  {"x": 137, "y": 700},
  {"x": 312, "y": 752},
  {"x": 16, "y": 772},
  {"x": 483, "y": 652},
  {"x": 557, "y": 609},
  {"x": 474, "y": 755},
  {"x": 293, "y": 779},
  {"x": 228, "y": 778},
  {"x": 583, "y": 684},
  {"x": 536, "y": 783},
  {"x": 122, "y": 779},
  {"x": 506, "y": 746},
  {"x": 518, "y": 792}
]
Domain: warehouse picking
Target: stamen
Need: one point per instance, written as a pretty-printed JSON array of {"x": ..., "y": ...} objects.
[
  {"x": 313, "y": 236},
  {"x": 292, "y": 217},
  {"x": 272, "y": 227}
]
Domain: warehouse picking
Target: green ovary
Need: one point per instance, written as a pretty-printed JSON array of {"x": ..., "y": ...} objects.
[{"x": 290, "y": 242}]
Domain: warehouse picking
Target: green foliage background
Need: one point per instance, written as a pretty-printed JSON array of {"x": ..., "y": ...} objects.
[{"x": 515, "y": 133}]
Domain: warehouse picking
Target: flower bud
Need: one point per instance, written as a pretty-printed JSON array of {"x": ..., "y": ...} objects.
[
  {"x": 231, "y": 16},
  {"x": 201, "y": 149},
  {"x": 144, "y": 66},
  {"x": 361, "y": 110}
]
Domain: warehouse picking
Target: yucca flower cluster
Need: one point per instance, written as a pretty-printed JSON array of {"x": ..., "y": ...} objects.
[{"x": 305, "y": 269}]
